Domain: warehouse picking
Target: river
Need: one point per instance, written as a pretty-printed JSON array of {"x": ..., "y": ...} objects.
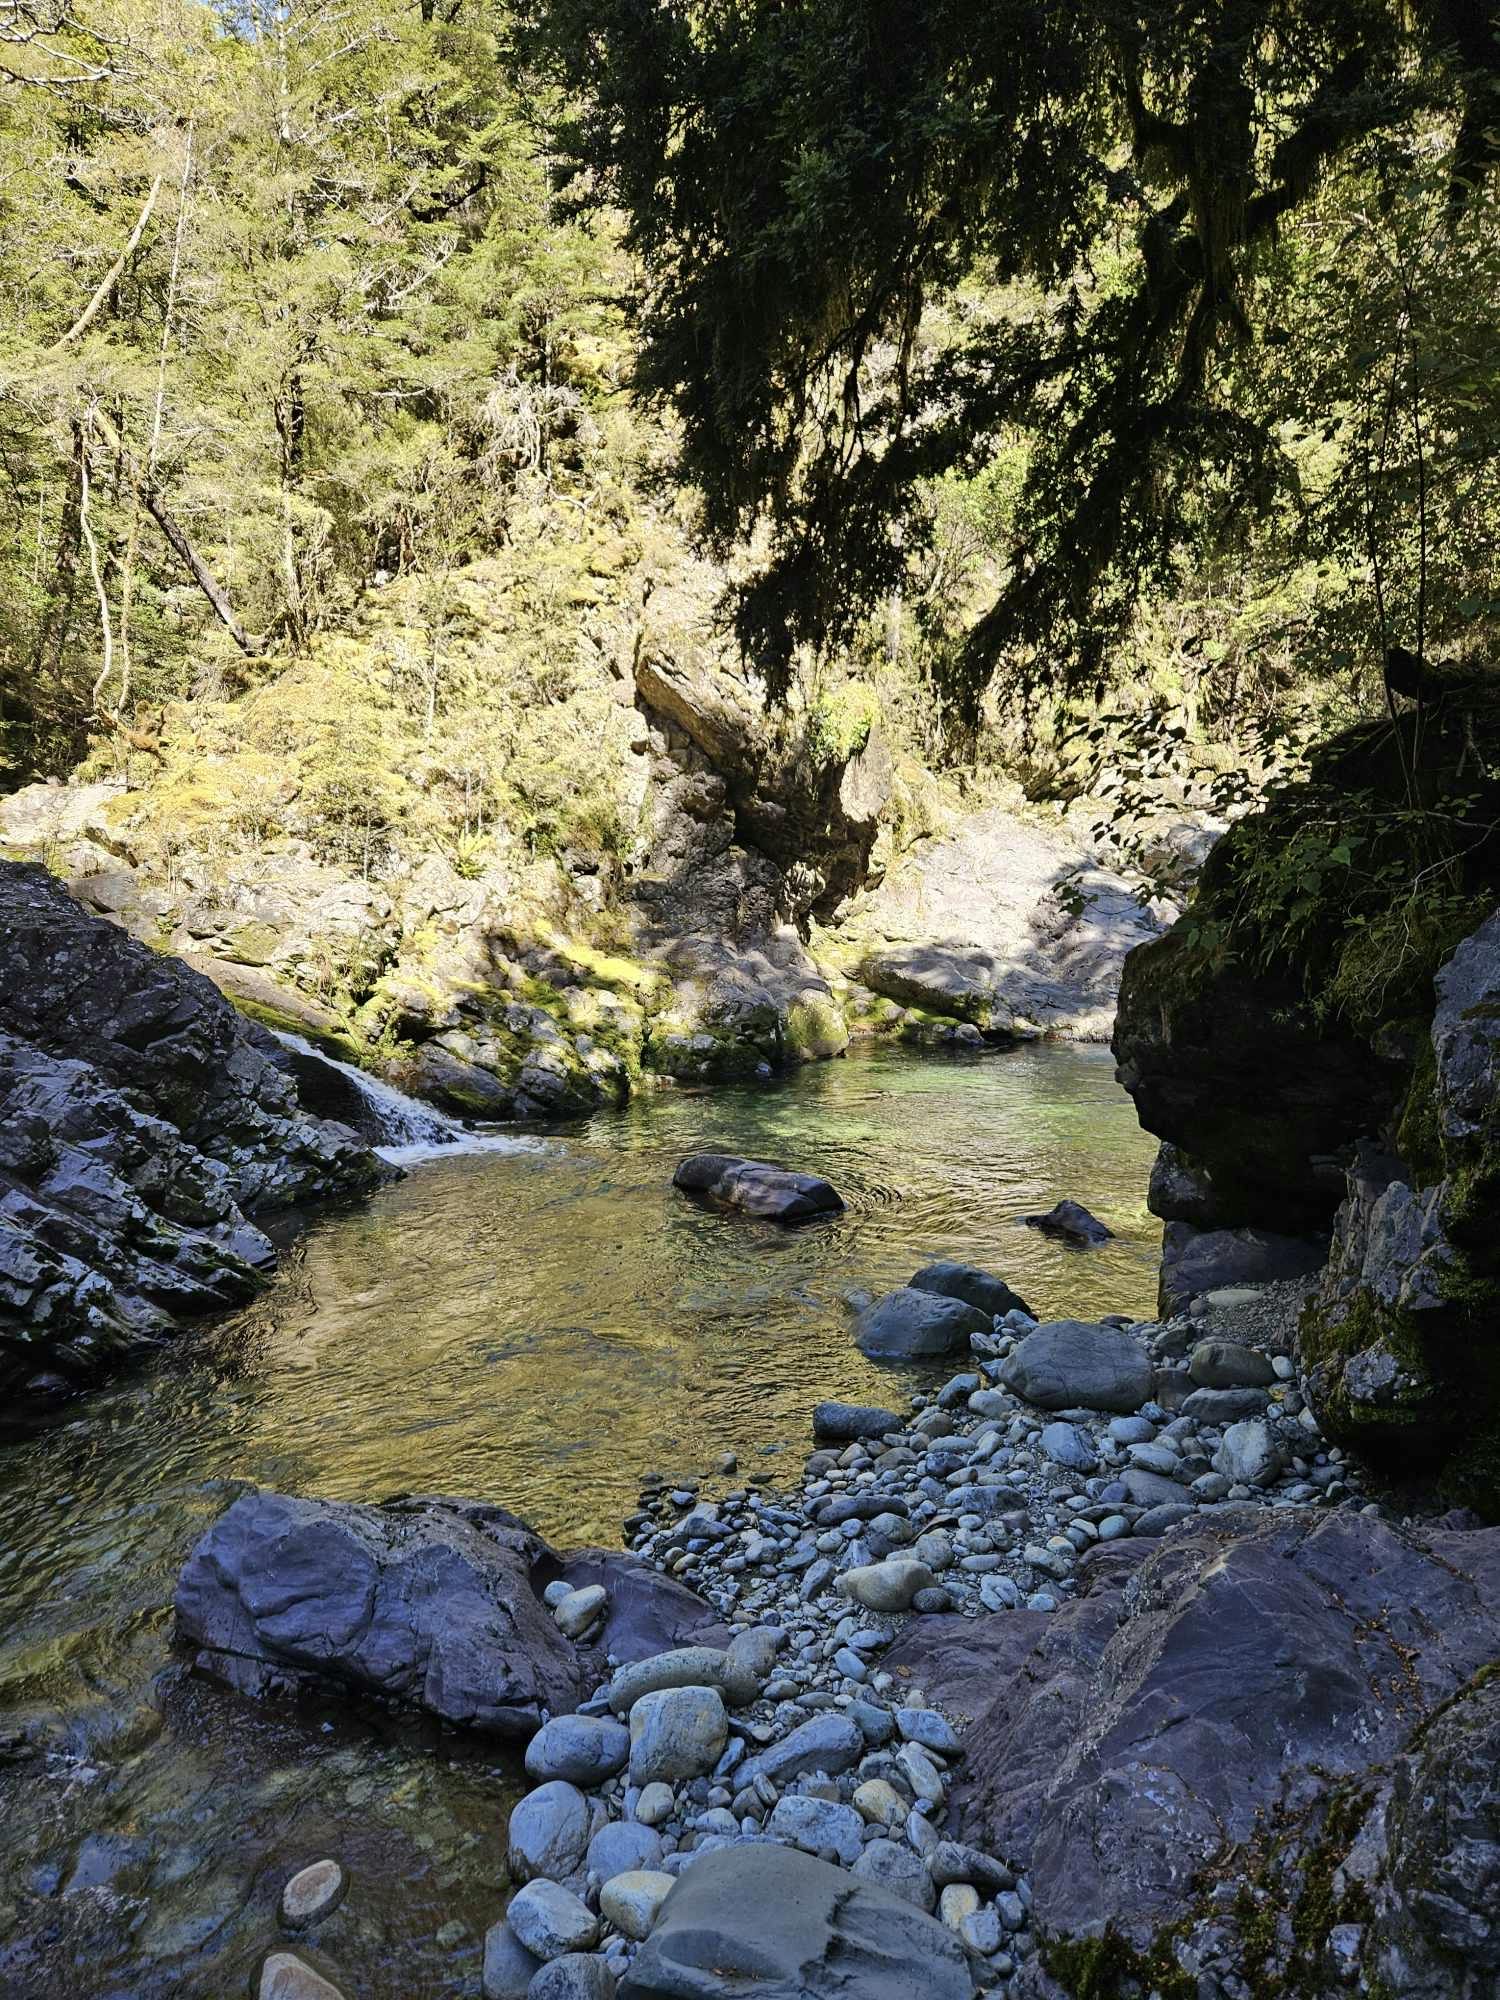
[{"x": 539, "y": 1326}]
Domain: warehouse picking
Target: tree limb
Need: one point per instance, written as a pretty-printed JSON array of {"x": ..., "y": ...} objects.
[{"x": 112, "y": 276}]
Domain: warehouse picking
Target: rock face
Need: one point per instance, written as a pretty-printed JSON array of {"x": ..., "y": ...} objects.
[
  {"x": 770, "y": 1921},
  {"x": 752, "y": 1187},
  {"x": 1400, "y": 1342},
  {"x": 1006, "y": 925},
  {"x": 1194, "y": 1261},
  {"x": 1119, "y": 1746},
  {"x": 141, "y": 1122},
  {"x": 429, "y": 1603}
]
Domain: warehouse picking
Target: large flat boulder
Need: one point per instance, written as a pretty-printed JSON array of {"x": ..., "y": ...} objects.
[
  {"x": 1264, "y": 1704},
  {"x": 769, "y": 1923},
  {"x": 913, "y": 1325},
  {"x": 433, "y": 1604},
  {"x": 1079, "y": 1364},
  {"x": 755, "y": 1187}
]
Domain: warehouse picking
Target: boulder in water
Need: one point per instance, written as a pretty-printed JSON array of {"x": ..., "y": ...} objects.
[
  {"x": 754, "y": 1187},
  {"x": 1071, "y": 1222},
  {"x": 980, "y": 1289},
  {"x": 910, "y": 1325}
]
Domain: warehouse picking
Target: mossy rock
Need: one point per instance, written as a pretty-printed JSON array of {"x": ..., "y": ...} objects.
[{"x": 815, "y": 1028}]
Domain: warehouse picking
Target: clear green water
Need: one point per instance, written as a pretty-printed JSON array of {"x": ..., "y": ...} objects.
[{"x": 537, "y": 1327}]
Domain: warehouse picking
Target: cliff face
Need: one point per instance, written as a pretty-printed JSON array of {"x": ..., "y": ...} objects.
[
  {"x": 142, "y": 1122},
  {"x": 1341, "y": 1075}
]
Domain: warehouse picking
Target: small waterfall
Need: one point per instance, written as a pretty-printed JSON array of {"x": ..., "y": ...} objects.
[{"x": 408, "y": 1131}]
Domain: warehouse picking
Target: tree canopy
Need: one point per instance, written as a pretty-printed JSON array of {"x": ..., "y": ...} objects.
[{"x": 1163, "y": 235}]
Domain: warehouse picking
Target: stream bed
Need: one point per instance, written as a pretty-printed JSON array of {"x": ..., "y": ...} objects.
[{"x": 538, "y": 1325}]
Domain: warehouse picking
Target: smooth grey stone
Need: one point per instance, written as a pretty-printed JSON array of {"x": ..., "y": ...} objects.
[
  {"x": 931, "y": 1730},
  {"x": 757, "y": 1917},
  {"x": 830, "y": 1743},
  {"x": 621, "y": 1846},
  {"x": 897, "y": 1869},
  {"x": 755, "y": 1187},
  {"x": 1225, "y": 1406},
  {"x": 1072, "y": 1362},
  {"x": 676, "y": 1732},
  {"x": 583, "y": 1749},
  {"x": 550, "y": 1920},
  {"x": 1070, "y": 1446},
  {"x": 980, "y": 1289},
  {"x": 549, "y": 1832},
  {"x": 816, "y": 1824},
  {"x": 577, "y": 1975},
  {"x": 1249, "y": 1455},
  {"x": 1228, "y": 1364},
  {"x": 509, "y": 1967},
  {"x": 912, "y": 1325},
  {"x": 847, "y": 1422}
]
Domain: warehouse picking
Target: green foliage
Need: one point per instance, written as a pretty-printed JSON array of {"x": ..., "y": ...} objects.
[
  {"x": 1107, "y": 207},
  {"x": 839, "y": 722}
]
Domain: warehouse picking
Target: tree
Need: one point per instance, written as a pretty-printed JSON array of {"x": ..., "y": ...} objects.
[{"x": 804, "y": 179}]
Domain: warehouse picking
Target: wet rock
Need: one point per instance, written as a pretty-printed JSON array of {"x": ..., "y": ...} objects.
[
  {"x": 1069, "y": 1363},
  {"x": 312, "y": 1892},
  {"x": 772, "y": 1919},
  {"x": 1071, "y": 1222},
  {"x": 844, "y": 1423},
  {"x": 426, "y": 1602},
  {"x": 980, "y": 1289},
  {"x": 908, "y": 1325},
  {"x": 285, "y": 1977},
  {"x": 753, "y": 1187}
]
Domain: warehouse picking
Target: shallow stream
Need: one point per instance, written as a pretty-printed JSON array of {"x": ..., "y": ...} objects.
[{"x": 538, "y": 1326}]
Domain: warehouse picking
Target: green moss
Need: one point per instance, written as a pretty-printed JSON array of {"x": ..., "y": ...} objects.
[
  {"x": 815, "y": 1028},
  {"x": 1109, "y": 1967},
  {"x": 1418, "y": 1136},
  {"x": 335, "y": 1042}
]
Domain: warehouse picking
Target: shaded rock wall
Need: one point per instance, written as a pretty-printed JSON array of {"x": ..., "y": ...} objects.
[{"x": 142, "y": 1121}]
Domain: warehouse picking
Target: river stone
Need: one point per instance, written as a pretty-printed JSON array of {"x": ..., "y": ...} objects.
[
  {"x": 849, "y": 1423},
  {"x": 677, "y": 1732},
  {"x": 1227, "y": 1364},
  {"x": 550, "y": 1920},
  {"x": 767, "y": 1920},
  {"x": 685, "y": 1666},
  {"x": 748, "y": 1660},
  {"x": 549, "y": 1832},
  {"x": 621, "y": 1846},
  {"x": 1144, "y": 1488},
  {"x": 1072, "y": 1223},
  {"x": 1069, "y": 1445},
  {"x": 655, "y": 1804},
  {"x": 577, "y": 1975},
  {"x": 886, "y": 1586},
  {"x": 908, "y": 1325},
  {"x": 879, "y": 1803},
  {"x": 815, "y": 1824},
  {"x": 583, "y": 1749},
  {"x": 980, "y": 1289},
  {"x": 285, "y": 1977},
  {"x": 830, "y": 1743},
  {"x": 312, "y": 1892},
  {"x": 1249, "y": 1455},
  {"x": 509, "y": 1967},
  {"x": 753, "y": 1187},
  {"x": 1079, "y": 1364},
  {"x": 426, "y": 1602},
  {"x": 893, "y": 1866},
  {"x": 576, "y": 1612},
  {"x": 1224, "y": 1406},
  {"x": 630, "y": 1901}
]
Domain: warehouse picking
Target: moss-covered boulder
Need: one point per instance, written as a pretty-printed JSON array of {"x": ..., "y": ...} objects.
[{"x": 1402, "y": 1344}]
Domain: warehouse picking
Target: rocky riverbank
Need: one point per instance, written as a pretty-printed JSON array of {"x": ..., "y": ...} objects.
[
  {"x": 144, "y": 1124},
  {"x": 1098, "y": 1671}
]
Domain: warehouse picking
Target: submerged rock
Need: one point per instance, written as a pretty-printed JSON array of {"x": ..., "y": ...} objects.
[
  {"x": 753, "y": 1187},
  {"x": 1071, "y": 1222},
  {"x": 980, "y": 1289}
]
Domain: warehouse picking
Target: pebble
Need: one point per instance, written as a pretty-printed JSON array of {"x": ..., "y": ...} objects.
[
  {"x": 576, "y": 1612},
  {"x": 312, "y": 1892},
  {"x": 285, "y": 1977}
]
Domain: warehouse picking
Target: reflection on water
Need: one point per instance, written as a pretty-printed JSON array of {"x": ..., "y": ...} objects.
[{"x": 537, "y": 1328}]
